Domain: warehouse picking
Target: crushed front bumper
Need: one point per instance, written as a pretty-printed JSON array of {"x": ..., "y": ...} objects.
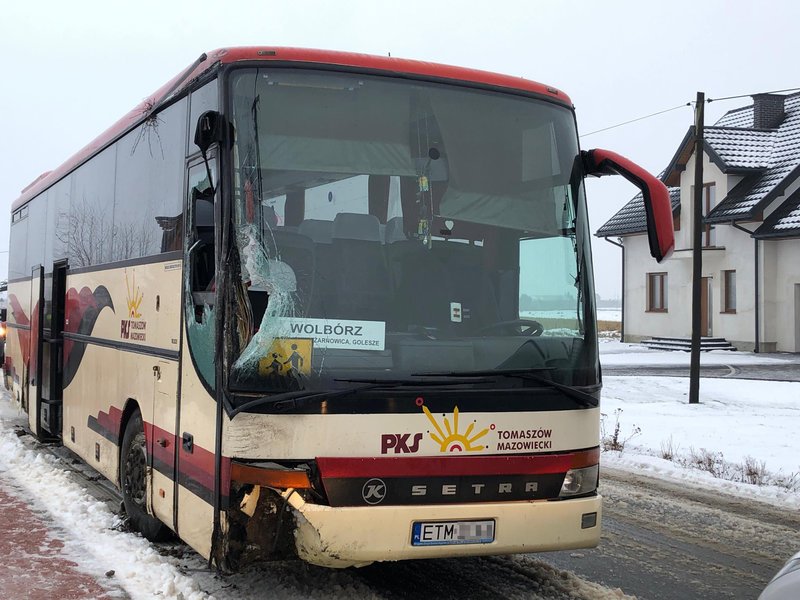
[{"x": 356, "y": 536}]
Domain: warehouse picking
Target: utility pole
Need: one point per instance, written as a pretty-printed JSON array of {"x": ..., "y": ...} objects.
[{"x": 697, "y": 250}]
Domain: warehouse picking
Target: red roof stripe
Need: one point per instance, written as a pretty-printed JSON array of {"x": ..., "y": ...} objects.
[{"x": 387, "y": 64}]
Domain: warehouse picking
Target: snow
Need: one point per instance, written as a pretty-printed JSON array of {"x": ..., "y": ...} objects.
[
  {"x": 603, "y": 314},
  {"x": 609, "y": 314},
  {"x": 613, "y": 352},
  {"x": 736, "y": 421}
]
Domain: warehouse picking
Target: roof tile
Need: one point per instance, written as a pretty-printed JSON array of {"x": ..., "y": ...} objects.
[
  {"x": 631, "y": 218},
  {"x": 784, "y": 222}
]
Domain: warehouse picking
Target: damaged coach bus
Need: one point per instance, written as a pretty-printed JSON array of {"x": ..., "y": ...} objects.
[{"x": 326, "y": 305}]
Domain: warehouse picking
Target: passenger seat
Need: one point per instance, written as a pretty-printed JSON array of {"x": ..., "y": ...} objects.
[{"x": 364, "y": 285}]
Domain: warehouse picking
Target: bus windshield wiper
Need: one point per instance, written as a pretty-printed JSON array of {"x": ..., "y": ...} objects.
[
  {"x": 584, "y": 399},
  {"x": 291, "y": 399},
  {"x": 483, "y": 373},
  {"x": 294, "y": 398}
]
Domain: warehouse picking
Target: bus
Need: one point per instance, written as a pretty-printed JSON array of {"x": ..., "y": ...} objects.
[{"x": 313, "y": 304}]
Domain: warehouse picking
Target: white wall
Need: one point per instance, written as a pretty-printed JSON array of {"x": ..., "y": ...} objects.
[
  {"x": 677, "y": 321},
  {"x": 784, "y": 310}
]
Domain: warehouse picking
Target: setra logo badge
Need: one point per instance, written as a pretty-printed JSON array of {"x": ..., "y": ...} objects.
[{"x": 374, "y": 491}]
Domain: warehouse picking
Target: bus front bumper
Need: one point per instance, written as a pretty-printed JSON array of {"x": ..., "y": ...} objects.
[{"x": 357, "y": 536}]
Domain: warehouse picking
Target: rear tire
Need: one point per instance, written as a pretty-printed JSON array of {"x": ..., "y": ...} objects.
[{"x": 133, "y": 480}]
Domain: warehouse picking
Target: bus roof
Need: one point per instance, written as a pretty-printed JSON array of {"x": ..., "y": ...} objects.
[{"x": 223, "y": 56}]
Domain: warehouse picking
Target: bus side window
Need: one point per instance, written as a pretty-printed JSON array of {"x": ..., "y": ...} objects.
[
  {"x": 200, "y": 243},
  {"x": 200, "y": 271}
]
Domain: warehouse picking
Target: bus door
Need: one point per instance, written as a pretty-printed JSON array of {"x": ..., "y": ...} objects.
[
  {"x": 33, "y": 373},
  {"x": 163, "y": 440},
  {"x": 51, "y": 390}
]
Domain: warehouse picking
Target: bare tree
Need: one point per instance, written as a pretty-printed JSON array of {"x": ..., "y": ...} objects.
[{"x": 85, "y": 232}]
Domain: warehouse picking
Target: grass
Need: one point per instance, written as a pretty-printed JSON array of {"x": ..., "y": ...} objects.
[
  {"x": 751, "y": 470},
  {"x": 603, "y": 326},
  {"x": 615, "y": 439}
]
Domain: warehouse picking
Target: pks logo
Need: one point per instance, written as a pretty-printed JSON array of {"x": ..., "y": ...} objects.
[
  {"x": 398, "y": 443},
  {"x": 133, "y": 328},
  {"x": 448, "y": 436}
]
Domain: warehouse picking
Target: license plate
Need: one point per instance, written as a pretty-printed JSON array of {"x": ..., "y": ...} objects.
[{"x": 443, "y": 533}]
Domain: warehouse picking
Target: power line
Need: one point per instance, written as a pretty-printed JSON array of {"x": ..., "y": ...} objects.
[
  {"x": 660, "y": 112},
  {"x": 748, "y": 95}
]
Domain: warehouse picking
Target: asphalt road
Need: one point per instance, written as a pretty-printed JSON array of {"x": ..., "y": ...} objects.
[
  {"x": 788, "y": 371},
  {"x": 663, "y": 541}
]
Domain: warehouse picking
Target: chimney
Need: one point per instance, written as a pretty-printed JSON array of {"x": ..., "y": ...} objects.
[{"x": 768, "y": 110}]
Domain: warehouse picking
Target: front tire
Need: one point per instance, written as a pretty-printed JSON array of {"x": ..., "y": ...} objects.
[{"x": 133, "y": 480}]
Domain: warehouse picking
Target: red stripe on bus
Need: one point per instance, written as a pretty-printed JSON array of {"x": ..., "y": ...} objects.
[
  {"x": 389, "y": 64},
  {"x": 197, "y": 464},
  {"x": 532, "y": 464},
  {"x": 110, "y": 421}
]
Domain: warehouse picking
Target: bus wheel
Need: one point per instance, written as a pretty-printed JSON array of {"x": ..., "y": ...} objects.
[{"x": 133, "y": 475}]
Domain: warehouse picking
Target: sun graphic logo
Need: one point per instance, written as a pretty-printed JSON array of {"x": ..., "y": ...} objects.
[
  {"x": 135, "y": 297},
  {"x": 449, "y": 438}
]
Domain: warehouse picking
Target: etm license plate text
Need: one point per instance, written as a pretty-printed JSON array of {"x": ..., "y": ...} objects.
[{"x": 452, "y": 532}]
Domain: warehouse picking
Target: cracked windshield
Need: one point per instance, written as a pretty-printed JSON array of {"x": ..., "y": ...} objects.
[{"x": 388, "y": 229}]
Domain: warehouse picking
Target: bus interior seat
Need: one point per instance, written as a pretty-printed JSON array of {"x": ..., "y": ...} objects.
[
  {"x": 470, "y": 283},
  {"x": 450, "y": 273},
  {"x": 321, "y": 232},
  {"x": 364, "y": 284},
  {"x": 398, "y": 248},
  {"x": 323, "y": 301}
]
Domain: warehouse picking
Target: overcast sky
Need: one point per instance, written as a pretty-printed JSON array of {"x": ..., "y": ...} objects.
[{"x": 70, "y": 69}]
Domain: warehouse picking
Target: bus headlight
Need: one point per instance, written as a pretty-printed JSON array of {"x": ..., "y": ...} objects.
[{"x": 579, "y": 481}]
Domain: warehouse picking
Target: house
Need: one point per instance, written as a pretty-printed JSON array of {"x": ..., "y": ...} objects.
[{"x": 750, "y": 238}]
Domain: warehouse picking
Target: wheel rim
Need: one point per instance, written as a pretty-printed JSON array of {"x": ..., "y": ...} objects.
[{"x": 135, "y": 467}]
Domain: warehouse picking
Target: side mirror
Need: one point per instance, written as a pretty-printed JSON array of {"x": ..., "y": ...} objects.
[
  {"x": 210, "y": 130},
  {"x": 655, "y": 195}
]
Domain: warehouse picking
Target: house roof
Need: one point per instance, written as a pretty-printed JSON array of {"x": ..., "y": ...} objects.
[
  {"x": 631, "y": 217},
  {"x": 769, "y": 159},
  {"x": 747, "y": 199},
  {"x": 784, "y": 222},
  {"x": 741, "y": 148}
]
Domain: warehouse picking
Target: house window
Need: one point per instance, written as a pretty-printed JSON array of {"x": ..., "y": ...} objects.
[
  {"x": 656, "y": 292},
  {"x": 729, "y": 291},
  {"x": 709, "y": 200}
]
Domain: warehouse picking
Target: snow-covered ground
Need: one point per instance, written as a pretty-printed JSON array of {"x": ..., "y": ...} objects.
[
  {"x": 603, "y": 314},
  {"x": 609, "y": 314},
  {"x": 737, "y": 421}
]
